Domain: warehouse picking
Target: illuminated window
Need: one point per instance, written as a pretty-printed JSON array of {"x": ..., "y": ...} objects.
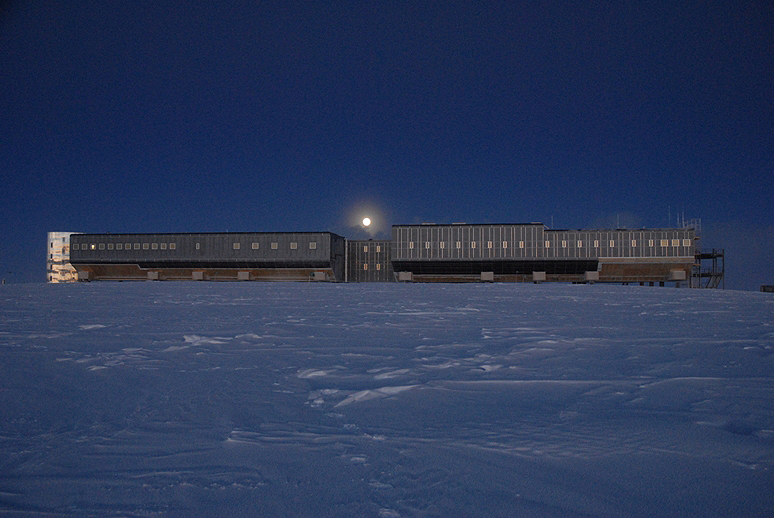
[
  {"x": 596, "y": 243},
  {"x": 136, "y": 246},
  {"x": 119, "y": 246},
  {"x": 365, "y": 267},
  {"x": 489, "y": 244},
  {"x": 365, "y": 248},
  {"x": 650, "y": 242},
  {"x": 634, "y": 242},
  {"x": 521, "y": 244},
  {"x": 128, "y": 246},
  {"x": 664, "y": 242},
  {"x": 154, "y": 246},
  {"x": 293, "y": 246},
  {"x": 686, "y": 242},
  {"x": 505, "y": 244},
  {"x": 237, "y": 246},
  {"x": 379, "y": 249},
  {"x": 255, "y": 246},
  {"x": 442, "y": 244},
  {"x": 564, "y": 244},
  {"x": 548, "y": 244},
  {"x": 378, "y": 266},
  {"x": 612, "y": 243},
  {"x": 102, "y": 246},
  {"x": 675, "y": 242},
  {"x": 93, "y": 246},
  {"x": 312, "y": 246},
  {"x": 459, "y": 245},
  {"x": 111, "y": 246},
  {"x": 164, "y": 246},
  {"x": 145, "y": 246},
  {"x": 472, "y": 244},
  {"x": 172, "y": 246},
  {"x": 274, "y": 246},
  {"x": 427, "y": 245},
  {"x": 411, "y": 245},
  {"x": 580, "y": 244}
]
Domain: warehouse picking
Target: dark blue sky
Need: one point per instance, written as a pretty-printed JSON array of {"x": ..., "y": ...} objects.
[{"x": 151, "y": 116}]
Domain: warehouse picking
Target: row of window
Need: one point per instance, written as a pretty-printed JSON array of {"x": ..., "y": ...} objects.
[
  {"x": 378, "y": 248},
  {"x": 651, "y": 243},
  {"x": 378, "y": 266},
  {"x": 169, "y": 246}
]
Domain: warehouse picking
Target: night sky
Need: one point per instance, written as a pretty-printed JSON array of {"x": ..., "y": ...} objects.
[{"x": 155, "y": 116}]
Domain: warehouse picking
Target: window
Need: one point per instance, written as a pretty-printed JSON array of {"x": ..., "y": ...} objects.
[
  {"x": 612, "y": 244},
  {"x": 675, "y": 242},
  {"x": 128, "y": 246},
  {"x": 505, "y": 244},
  {"x": 548, "y": 244},
  {"x": 521, "y": 244},
  {"x": 154, "y": 246},
  {"x": 411, "y": 245},
  {"x": 365, "y": 267},
  {"x": 111, "y": 246},
  {"x": 596, "y": 243},
  {"x": 136, "y": 246},
  {"x": 489, "y": 244},
  {"x": 459, "y": 245},
  {"x": 237, "y": 246},
  {"x": 379, "y": 249},
  {"x": 254, "y": 246},
  {"x": 442, "y": 244},
  {"x": 686, "y": 242},
  {"x": 378, "y": 266},
  {"x": 312, "y": 246},
  {"x": 664, "y": 242},
  {"x": 75, "y": 246},
  {"x": 145, "y": 246},
  {"x": 93, "y": 246},
  {"x": 365, "y": 248},
  {"x": 634, "y": 242},
  {"x": 274, "y": 246},
  {"x": 172, "y": 246},
  {"x": 650, "y": 242},
  {"x": 294, "y": 246},
  {"x": 427, "y": 245},
  {"x": 580, "y": 244},
  {"x": 119, "y": 246},
  {"x": 164, "y": 246},
  {"x": 472, "y": 244},
  {"x": 564, "y": 244}
]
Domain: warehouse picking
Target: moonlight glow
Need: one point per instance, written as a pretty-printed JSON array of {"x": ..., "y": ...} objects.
[{"x": 366, "y": 222}]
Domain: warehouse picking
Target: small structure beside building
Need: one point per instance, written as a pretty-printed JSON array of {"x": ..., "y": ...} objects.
[{"x": 58, "y": 267}]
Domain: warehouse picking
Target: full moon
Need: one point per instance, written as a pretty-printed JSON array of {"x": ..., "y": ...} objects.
[{"x": 366, "y": 222}]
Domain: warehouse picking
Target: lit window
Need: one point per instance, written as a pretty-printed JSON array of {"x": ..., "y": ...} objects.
[
  {"x": 111, "y": 246},
  {"x": 489, "y": 244},
  {"x": 172, "y": 246},
  {"x": 459, "y": 245},
  {"x": 237, "y": 246},
  {"x": 164, "y": 246},
  {"x": 505, "y": 244},
  {"x": 472, "y": 244},
  {"x": 548, "y": 244},
  {"x": 664, "y": 242},
  {"x": 564, "y": 244},
  {"x": 378, "y": 249},
  {"x": 580, "y": 244},
  {"x": 274, "y": 246},
  {"x": 312, "y": 246},
  {"x": 378, "y": 266},
  {"x": 612, "y": 243},
  {"x": 686, "y": 242},
  {"x": 119, "y": 246},
  {"x": 634, "y": 242},
  {"x": 145, "y": 246},
  {"x": 442, "y": 244},
  {"x": 136, "y": 246},
  {"x": 650, "y": 242},
  {"x": 596, "y": 243},
  {"x": 411, "y": 245},
  {"x": 154, "y": 246},
  {"x": 255, "y": 246},
  {"x": 365, "y": 267},
  {"x": 427, "y": 245},
  {"x": 521, "y": 244},
  {"x": 93, "y": 246},
  {"x": 365, "y": 248},
  {"x": 293, "y": 246},
  {"x": 675, "y": 242}
]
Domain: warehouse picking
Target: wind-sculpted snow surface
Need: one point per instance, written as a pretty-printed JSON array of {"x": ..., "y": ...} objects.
[{"x": 377, "y": 400}]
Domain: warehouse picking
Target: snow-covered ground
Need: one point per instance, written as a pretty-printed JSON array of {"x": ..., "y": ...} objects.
[{"x": 377, "y": 400}]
